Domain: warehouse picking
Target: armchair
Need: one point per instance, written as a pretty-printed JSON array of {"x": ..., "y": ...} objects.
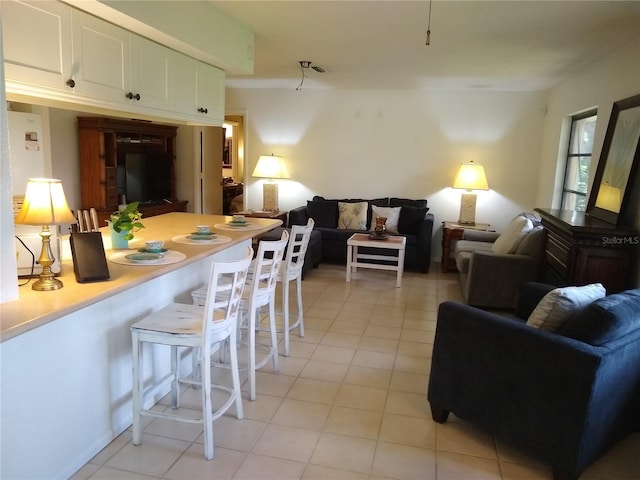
[
  {"x": 491, "y": 279},
  {"x": 564, "y": 400}
]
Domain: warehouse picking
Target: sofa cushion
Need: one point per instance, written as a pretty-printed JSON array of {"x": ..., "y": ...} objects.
[
  {"x": 531, "y": 244},
  {"x": 352, "y": 216},
  {"x": 508, "y": 241},
  {"x": 463, "y": 251},
  {"x": 392, "y": 214},
  {"x": 407, "y": 202},
  {"x": 410, "y": 219},
  {"x": 605, "y": 319},
  {"x": 324, "y": 212},
  {"x": 556, "y": 306}
]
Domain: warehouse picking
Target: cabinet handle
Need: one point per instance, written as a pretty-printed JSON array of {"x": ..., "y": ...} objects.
[
  {"x": 71, "y": 82},
  {"x": 203, "y": 110},
  {"x": 131, "y": 96}
]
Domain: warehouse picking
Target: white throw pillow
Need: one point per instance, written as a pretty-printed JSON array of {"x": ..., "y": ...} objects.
[
  {"x": 352, "y": 216},
  {"x": 392, "y": 215},
  {"x": 508, "y": 240},
  {"x": 556, "y": 306}
]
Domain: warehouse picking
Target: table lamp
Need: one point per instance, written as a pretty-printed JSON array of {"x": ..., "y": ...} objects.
[
  {"x": 45, "y": 204},
  {"x": 270, "y": 167},
  {"x": 470, "y": 176}
]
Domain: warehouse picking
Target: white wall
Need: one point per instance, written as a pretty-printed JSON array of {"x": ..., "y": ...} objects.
[
  {"x": 612, "y": 78},
  {"x": 375, "y": 143}
]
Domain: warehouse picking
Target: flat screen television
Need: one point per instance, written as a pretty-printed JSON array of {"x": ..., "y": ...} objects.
[{"x": 145, "y": 177}]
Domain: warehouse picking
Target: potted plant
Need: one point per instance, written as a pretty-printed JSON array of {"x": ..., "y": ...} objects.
[{"x": 123, "y": 224}]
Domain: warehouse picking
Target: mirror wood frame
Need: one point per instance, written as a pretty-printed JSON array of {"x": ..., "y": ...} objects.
[{"x": 614, "y": 127}]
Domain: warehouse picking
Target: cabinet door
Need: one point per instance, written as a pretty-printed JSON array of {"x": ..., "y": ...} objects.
[
  {"x": 150, "y": 64},
  {"x": 102, "y": 58},
  {"x": 37, "y": 43},
  {"x": 210, "y": 92},
  {"x": 184, "y": 85}
]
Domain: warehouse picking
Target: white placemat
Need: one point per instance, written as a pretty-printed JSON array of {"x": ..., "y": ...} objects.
[
  {"x": 213, "y": 241},
  {"x": 238, "y": 228},
  {"x": 170, "y": 256}
]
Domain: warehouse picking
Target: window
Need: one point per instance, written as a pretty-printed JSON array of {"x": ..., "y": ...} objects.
[{"x": 576, "y": 174}]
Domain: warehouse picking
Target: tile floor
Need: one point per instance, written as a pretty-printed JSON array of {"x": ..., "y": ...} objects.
[{"x": 349, "y": 403}]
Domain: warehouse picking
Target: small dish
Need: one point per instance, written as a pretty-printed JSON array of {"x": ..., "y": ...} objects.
[
  {"x": 199, "y": 237},
  {"x": 237, "y": 224},
  {"x": 144, "y": 257},
  {"x": 199, "y": 234},
  {"x": 144, "y": 250}
]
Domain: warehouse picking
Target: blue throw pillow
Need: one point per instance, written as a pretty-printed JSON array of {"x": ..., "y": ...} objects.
[
  {"x": 410, "y": 219},
  {"x": 605, "y": 319},
  {"x": 323, "y": 212}
]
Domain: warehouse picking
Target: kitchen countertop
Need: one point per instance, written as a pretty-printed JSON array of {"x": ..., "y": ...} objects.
[{"x": 34, "y": 308}]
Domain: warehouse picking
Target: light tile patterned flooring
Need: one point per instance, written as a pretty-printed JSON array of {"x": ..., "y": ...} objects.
[{"x": 349, "y": 403}]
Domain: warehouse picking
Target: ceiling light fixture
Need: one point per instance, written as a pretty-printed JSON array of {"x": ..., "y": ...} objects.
[
  {"x": 305, "y": 64},
  {"x": 428, "y": 42}
]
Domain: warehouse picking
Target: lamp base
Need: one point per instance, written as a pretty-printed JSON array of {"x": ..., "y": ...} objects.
[
  {"x": 270, "y": 197},
  {"x": 46, "y": 284},
  {"x": 468, "y": 209}
]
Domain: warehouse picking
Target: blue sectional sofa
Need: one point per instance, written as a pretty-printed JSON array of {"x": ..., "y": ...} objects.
[
  {"x": 415, "y": 223},
  {"x": 566, "y": 396}
]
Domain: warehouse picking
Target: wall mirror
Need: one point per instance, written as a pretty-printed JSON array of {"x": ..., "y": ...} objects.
[{"x": 619, "y": 159}]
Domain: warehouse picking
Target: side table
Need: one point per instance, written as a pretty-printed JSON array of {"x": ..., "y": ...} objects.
[
  {"x": 451, "y": 233},
  {"x": 279, "y": 215}
]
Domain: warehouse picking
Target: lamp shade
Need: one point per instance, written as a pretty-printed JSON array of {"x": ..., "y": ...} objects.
[
  {"x": 44, "y": 204},
  {"x": 270, "y": 166},
  {"x": 471, "y": 176}
]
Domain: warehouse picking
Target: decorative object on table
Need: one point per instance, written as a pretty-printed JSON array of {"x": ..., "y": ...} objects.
[
  {"x": 203, "y": 229},
  {"x": 123, "y": 224},
  {"x": 381, "y": 226},
  {"x": 613, "y": 183},
  {"x": 380, "y": 229},
  {"x": 470, "y": 177},
  {"x": 270, "y": 167},
  {"x": 45, "y": 204}
]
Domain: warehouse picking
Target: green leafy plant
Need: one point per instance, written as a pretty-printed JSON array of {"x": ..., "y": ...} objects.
[{"x": 127, "y": 220}]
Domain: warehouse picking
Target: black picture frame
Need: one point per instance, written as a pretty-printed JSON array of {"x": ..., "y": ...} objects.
[{"x": 619, "y": 159}]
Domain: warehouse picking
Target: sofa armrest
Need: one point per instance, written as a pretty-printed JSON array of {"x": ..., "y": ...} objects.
[
  {"x": 298, "y": 216},
  {"x": 480, "y": 235},
  {"x": 525, "y": 385},
  {"x": 493, "y": 279},
  {"x": 425, "y": 234}
]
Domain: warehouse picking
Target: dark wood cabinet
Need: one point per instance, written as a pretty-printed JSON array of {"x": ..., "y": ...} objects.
[
  {"x": 580, "y": 249},
  {"x": 127, "y": 160}
]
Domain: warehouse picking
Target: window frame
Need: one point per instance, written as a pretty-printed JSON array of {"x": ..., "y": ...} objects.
[{"x": 592, "y": 112}]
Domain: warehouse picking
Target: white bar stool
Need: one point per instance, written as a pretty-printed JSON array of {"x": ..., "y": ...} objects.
[
  {"x": 259, "y": 292},
  {"x": 198, "y": 328}
]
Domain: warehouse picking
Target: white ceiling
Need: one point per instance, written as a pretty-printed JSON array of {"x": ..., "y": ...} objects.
[{"x": 513, "y": 45}]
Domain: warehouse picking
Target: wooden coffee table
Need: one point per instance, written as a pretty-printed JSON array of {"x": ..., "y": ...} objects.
[{"x": 354, "y": 259}]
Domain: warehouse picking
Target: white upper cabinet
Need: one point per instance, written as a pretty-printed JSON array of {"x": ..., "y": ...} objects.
[
  {"x": 210, "y": 91},
  {"x": 101, "y": 58},
  {"x": 37, "y": 43},
  {"x": 56, "y": 52},
  {"x": 150, "y": 64},
  {"x": 198, "y": 89}
]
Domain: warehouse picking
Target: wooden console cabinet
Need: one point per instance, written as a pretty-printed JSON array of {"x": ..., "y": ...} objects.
[
  {"x": 580, "y": 249},
  {"x": 105, "y": 144}
]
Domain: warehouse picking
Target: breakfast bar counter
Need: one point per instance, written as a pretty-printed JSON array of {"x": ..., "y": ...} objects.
[{"x": 65, "y": 355}]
